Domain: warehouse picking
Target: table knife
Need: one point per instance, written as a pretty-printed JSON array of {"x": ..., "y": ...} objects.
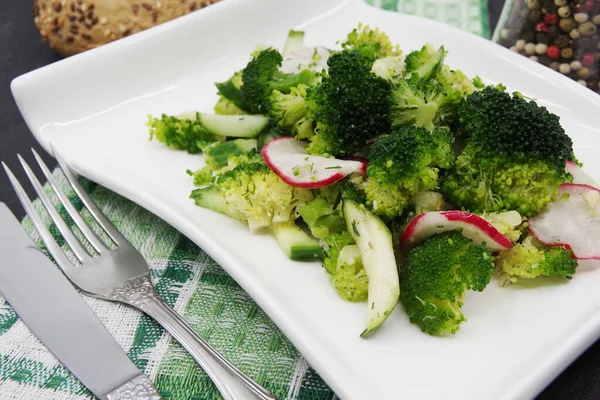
[{"x": 55, "y": 312}]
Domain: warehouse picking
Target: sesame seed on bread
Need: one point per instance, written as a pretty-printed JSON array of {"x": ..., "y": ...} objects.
[{"x": 74, "y": 26}]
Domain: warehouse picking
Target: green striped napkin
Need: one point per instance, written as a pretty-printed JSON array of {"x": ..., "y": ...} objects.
[{"x": 196, "y": 287}]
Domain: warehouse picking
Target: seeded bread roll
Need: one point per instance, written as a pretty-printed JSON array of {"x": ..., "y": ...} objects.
[{"x": 74, "y": 26}]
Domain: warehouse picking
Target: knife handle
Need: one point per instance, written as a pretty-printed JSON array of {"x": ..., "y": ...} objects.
[
  {"x": 232, "y": 383},
  {"x": 139, "y": 388}
]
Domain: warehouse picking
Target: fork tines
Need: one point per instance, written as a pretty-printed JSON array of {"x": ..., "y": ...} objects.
[{"x": 72, "y": 241}]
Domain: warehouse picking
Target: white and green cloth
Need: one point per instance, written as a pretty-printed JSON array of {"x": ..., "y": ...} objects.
[{"x": 196, "y": 287}]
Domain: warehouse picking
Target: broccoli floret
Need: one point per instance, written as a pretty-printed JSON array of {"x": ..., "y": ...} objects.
[
  {"x": 216, "y": 165},
  {"x": 514, "y": 158},
  {"x": 181, "y": 133},
  {"x": 322, "y": 217},
  {"x": 371, "y": 43},
  {"x": 353, "y": 189},
  {"x": 286, "y": 110},
  {"x": 456, "y": 80},
  {"x": 350, "y": 105},
  {"x": 261, "y": 76},
  {"x": 389, "y": 68},
  {"x": 344, "y": 266},
  {"x": 254, "y": 190},
  {"x": 420, "y": 103},
  {"x": 425, "y": 63},
  {"x": 530, "y": 259},
  {"x": 403, "y": 164},
  {"x": 435, "y": 276}
]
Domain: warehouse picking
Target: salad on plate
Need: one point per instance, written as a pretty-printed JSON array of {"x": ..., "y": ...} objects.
[{"x": 411, "y": 181}]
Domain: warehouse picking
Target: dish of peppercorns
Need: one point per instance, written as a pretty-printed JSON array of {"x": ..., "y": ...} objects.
[{"x": 560, "y": 34}]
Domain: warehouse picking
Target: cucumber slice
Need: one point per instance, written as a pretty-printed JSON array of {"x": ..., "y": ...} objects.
[
  {"x": 294, "y": 42},
  {"x": 294, "y": 242},
  {"x": 209, "y": 197},
  {"x": 220, "y": 152},
  {"x": 244, "y": 126},
  {"x": 231, "y": 92},
  {"x": 374, "y": 241}
]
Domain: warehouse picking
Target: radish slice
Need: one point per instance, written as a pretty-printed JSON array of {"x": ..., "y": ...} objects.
[
  {"x": 287, "y": 158},
  {"x": 579, "y": 175},
  {"x": 473, "y": 226},
  {"x": 313, "y": 58},
  {"x": 571, "y": 221}
]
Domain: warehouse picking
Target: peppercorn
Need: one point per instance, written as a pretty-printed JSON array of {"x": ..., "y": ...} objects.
[
  {"x": 551, "y": 19},
  {"x": 549, "y": 8},
  {"x": 592, "y": 85},
  {"x": 564, "y": 12},
  {"x": 575, "y": 65},
  {"x": 553, "y": 52},
  {"x": 596, "y": 19},
  {"x": 541, "y": 48},
  {"x": 582, "y": 82},
  {"x": 554, "y": 65},
  {"x": 530, "y": 48},
  {"x": 542, "y": 59},
  {"x": 567, "y": 24},
  {"x": 587, "y": 28},
  {"x": 528, "y": 25},
  {"x": 588, "y": 59},
  {"x": 541, "y": 37},
  {"x": 528, "y": 36},
  {"x": 520, "y": 44},
  {"x": 567, "y": 53},
  {"x": 580, "y": 17},
  {"x": 560, "y": 3},
  {"x": 562, "y": 41},
  {"x": 535, "y": 16},
  {"x": 564, "y": 68},
  {"x": 583, "y": 73},
  {"x": 542, "y": 27},
  {"x": 574, "y": 34},
  {"x": 553, "y": 32},
  {"x": 588, "y": 6},
  {"x": 534, "y": 4},
  {"x": 533, "y": 58}
]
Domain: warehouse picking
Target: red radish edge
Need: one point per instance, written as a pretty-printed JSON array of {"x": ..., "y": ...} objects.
[
  {"x": 364, "y": 161},
  {"x": 476, "y": 221},
  {"x": 564, "y": 186},
  {"x": 566, "y": 246},
  {"x": 304, "y": 185}
]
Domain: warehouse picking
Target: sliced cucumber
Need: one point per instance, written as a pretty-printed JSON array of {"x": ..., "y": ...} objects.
[
  {"x": 374, "y": 241},
  {"x": 220, "y": 152},
  {"x": 209, "y": 197},
  {"x": 244, "y": 126},
  {"x": 294, "y": 242},
  {"x": 294, "y": 42},
  {"x": 231, "y": 92}
]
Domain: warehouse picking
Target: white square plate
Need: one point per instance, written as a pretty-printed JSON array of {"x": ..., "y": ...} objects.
[{"x": 93, "y": 108}]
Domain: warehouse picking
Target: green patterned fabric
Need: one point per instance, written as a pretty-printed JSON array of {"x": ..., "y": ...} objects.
[{"x": 195, "y": 286}]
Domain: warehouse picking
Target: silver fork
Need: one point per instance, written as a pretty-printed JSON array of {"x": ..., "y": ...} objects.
[{"x": 122, "y": 275}]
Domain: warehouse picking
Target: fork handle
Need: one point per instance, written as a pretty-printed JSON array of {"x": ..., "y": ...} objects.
[{"x": 232, "y": 383}]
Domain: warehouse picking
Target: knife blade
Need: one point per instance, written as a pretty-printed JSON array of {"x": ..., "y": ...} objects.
[{"x": 54, "y": 311}]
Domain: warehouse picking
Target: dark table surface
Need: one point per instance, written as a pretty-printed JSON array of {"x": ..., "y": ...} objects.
[{"x": 22, "y": 50}]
